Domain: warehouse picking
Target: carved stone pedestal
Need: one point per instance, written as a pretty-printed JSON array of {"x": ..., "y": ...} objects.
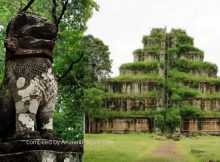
[{"x": 40, "y": 150}]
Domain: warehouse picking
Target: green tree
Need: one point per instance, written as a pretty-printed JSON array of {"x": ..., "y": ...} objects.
[
  {"x": 92, "y": 103},
  {"x": 97, "y": 64}
]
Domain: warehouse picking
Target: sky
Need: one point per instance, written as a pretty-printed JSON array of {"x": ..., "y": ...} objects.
[{"x": 121, "y": 24}]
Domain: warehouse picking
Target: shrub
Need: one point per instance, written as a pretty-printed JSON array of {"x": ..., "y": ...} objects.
[
  {"x": 186, "y": 66},
  {"x": 173, "y": 119},
  {"x": 189, "y": 111},
  {"x": 152, "y": 49},
  {"x": 138, "y": 51},
  {"x": 146, "y": 66},
  {"x": 141, "y": 77}
]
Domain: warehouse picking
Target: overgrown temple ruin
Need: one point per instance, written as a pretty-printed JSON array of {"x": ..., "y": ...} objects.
[{"x": 169, "y": 72}]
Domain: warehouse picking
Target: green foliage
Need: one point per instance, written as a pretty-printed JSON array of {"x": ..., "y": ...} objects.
[
  {"x": 97, "y": 64},
  {"x": 173, "y": 119},
  {"x": 143, "y": 66},
  {"x": 183, "y": 48},
  {"x": 125, "y": 95},
  {"x": 92, "y": 102},
  {"x": 67, "y": 50},
  {"x": 187, "y": 111},
  {"x": 173, "y": 51},
  {"x": 76, "y": 15},
  {"x": 184, "y": 39},
  {"x": 68, "y": 129},
  {"x": 180, "y": 37},
  {"x": 178, "y": 76},
  {"x": 156, "y": 34},
  {"x": 186, "y": 66},
  {"x": 106, "y": 114},
  {"x": 138, "y": 51},
  {"x": 159, "y": 120},
  {"x": 140, "y": 77},
  {"x": 210, "y": 114},
  {"x": 178, "y": 31},
  {"x": 181, "y": 91},
  {"x": 68, "y": 114},
  {"x": 175, "y": 97},
  {"x": 186, "y": 92},
  {"x": 152, "y": 49},
  {"x": 208, "y": 95}
]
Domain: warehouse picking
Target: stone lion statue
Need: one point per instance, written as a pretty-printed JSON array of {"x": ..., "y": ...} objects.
[{"x": 29, "y": 88}]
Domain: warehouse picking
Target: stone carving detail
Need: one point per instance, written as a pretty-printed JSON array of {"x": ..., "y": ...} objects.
[{"x": 29, "y": 88}]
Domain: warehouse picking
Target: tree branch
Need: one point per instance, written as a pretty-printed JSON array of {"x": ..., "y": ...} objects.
[
  {"x": 77, "y": 82},
  {"x": 54, "y": 14},
  {"x": 70, "y": 67},
  {"x": 54, "y": 8},
  {"x": 63, "y": 11},
  {"x": 27, "y": 6}
]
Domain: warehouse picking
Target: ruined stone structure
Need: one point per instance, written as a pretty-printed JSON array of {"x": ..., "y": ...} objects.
[
  {"x": 123, "y": 125},
  {"x": 28, "y": 94},
  {"x": 167, "y": 72}
]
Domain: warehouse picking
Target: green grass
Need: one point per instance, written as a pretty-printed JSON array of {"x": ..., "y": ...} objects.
[
  {"x": 122, "y": 148},
  {"x": 141, "y": 148},
  {"x": 204, "y": 147}
]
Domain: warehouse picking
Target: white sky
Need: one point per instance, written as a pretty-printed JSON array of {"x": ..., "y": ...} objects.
[{"x": 121, "y": 24}]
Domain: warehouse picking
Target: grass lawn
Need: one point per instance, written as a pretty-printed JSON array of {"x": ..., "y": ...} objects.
[{"x": 149, "y": 148}]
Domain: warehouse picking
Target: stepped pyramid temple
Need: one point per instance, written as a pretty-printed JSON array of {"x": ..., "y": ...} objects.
[{"x": 167, "y": 83}]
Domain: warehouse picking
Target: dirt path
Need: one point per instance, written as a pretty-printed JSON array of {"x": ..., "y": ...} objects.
[{"x": 167, "y": 149}]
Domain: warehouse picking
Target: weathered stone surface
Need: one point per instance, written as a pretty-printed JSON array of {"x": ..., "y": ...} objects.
[
  {"x": 146, "y": 56},
  {"x": 28, "y": 94},
  {"x": 137, "y": 72},
  {"x": 122, "y": 125},
  {"x": 203, "y": 86},
  {"x": 192, "y": 56},
  {"x": 207, "y": 125},
  {"x": 127, "y": 104},
  {"x": 167, "y": 49},
  {"x": 134, "y": 87},
  {"x": 206, "y": 104},
  {"x": 143, "y": 124},
  {"x": 29, "y": 88},
  {"x": 153, "y": 42},
  {"x": 40, "y": 151}
]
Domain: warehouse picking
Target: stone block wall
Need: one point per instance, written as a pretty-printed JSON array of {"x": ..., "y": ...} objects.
[
  {"x": 206, "y": 104},
  {"x": 191, "y": 56},
  {"x": 202, "y": 72},
  {"x": 145, "y": 56},
  {"x": 205, "y": 125},
  {"x": 203, "y": 87},
  {"x": 134, "y": 87},
  {"x": 121, "y": 125},
  {"x": 153, "y": 42},
  {"x": 136, "y": 72},
  {"x": 144, "y": 124},
  {"x": 127, "y": 104},
  {"x": 41, "y": 150}
]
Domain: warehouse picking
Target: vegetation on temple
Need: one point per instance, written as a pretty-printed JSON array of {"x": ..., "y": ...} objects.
[
  {"x": 179, "y": 69},
  {"x": 141, "y": 66}
]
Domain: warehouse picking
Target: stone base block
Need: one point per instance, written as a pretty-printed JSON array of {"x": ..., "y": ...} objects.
[{"x": 41, "y": 151}]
